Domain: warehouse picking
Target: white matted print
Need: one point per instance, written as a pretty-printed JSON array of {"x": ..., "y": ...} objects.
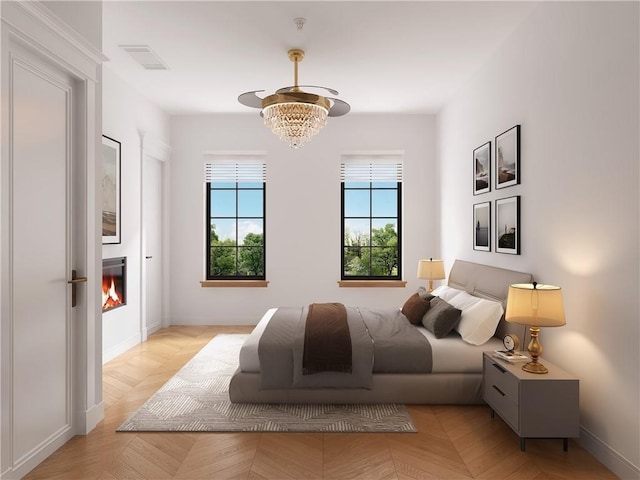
[
  {"x": 508, "y": 158},
  {"x": 508, "y": 225},
  {"x": 110, "y": 190},
  {"x": 481, "y": 226}
]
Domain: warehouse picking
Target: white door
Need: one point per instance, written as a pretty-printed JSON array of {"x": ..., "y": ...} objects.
[
  {"x": 43, "y": 132},
  {"x": 152, "y": 225}
]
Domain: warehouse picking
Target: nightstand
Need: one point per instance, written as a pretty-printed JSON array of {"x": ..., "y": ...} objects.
[{"x": 533, "y": 405}]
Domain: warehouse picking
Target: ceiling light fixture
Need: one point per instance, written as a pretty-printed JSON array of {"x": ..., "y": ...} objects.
[{"x": 292, "y": 114}]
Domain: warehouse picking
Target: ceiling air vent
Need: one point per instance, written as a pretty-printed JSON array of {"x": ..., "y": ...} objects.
[{"x": 145, "y": 57}]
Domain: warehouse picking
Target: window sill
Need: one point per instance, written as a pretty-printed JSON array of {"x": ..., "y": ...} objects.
[
  {"x": 372, "y": 283},
  {"x": 235, "y": 283}
]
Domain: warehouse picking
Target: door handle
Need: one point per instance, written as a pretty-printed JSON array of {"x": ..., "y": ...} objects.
[
  {"x": 148, "y": 257},
  {"x": 75, "y": 280}
]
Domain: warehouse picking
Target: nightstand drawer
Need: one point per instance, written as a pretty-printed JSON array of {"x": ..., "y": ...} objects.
[
  {"x": 500, "y": 403},
  {"x": 496, "y": 375}
]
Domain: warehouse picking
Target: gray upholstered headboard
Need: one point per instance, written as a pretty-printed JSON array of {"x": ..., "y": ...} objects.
[{"x": 491, "y": 283}]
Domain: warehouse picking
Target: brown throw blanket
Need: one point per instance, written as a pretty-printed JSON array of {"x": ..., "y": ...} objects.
[{"x": 327, "y": 341}]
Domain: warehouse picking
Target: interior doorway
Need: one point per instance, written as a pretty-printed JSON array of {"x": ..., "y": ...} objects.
[{"x": 154, "y": 221}]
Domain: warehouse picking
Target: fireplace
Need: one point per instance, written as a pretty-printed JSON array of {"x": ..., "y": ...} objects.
[{"x": 114, "y": 283}]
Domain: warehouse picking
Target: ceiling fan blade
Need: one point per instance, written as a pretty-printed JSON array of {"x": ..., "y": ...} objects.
[
  {"x": 338, "y": 108},
  {"x": 288, "y": 89},
  {"x": 250, "y": 99}
]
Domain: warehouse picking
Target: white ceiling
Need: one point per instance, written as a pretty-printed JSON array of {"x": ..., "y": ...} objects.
[{"x": 407, "y": 57}]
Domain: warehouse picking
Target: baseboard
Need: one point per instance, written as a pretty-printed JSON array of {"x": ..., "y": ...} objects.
[
  {"x": 92, "y": 417},
  {"x": 250, "y": 321},
  {"x": 611, "y": 459},
  {"x": 86, "y": 420},
  {"x": 120, "y": 348},
  {"x": 37, "y": 456},
  {"x": 130, "y": 342},
  {"x": 152, "y": 328}
]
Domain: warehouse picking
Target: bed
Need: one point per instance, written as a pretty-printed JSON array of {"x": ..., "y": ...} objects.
[{"x": 456, "y": 374}]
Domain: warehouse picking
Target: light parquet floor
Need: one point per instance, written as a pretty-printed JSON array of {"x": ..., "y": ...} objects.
[{"x": 454, "y": 442}]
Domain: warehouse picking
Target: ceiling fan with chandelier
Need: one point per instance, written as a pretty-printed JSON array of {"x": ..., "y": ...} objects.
[{"x": 293, "y": 114}]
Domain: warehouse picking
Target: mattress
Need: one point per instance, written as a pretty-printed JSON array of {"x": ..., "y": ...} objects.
[{"x": 449, "y": 355}]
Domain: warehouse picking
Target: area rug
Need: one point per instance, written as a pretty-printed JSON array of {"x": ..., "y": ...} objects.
[{"x": 196, "y": 399}]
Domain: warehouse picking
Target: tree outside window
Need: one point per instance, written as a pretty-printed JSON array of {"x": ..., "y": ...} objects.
[
  {"x": 371, "y": 230},
  {"x": 235, "y": 237}
]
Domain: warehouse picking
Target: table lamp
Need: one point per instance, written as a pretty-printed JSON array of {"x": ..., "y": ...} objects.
[
  {"x": 432, "y": 270},
  {"x": 537, "y": 306}
]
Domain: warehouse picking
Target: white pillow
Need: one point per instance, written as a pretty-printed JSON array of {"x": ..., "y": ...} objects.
[
  {"x": 479, "y": 319},
  {"x": 463, "y": 300},
  {"x": 446, "y": 292}
]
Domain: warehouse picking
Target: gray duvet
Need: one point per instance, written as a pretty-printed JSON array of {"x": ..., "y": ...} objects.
[{"x": 383, "y": 341}]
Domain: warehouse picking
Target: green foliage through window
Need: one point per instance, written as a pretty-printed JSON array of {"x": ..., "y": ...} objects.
[
  {"x": 235, "y": 212},
  {"x": 371, "y": 230}
]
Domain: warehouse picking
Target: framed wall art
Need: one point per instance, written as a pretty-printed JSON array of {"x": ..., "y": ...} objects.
[
  {"x": 482, "y": 226},
  {"x": 508, "y": 225},
  {"x": 508, "y": 158},
  {"x": 111, "y": 213},
  {"x": 482, "y": 169}
]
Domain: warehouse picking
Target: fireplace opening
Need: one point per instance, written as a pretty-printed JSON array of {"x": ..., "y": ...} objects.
[{"x": 114, "y": 283}]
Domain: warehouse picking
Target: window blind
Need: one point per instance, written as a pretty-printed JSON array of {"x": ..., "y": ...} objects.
[
  {"x": 234, "y": 168},
  {"x": 371, "y": 168}
]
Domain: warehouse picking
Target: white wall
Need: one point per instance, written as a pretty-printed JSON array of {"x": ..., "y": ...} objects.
[
  {"x": 125, "y": 113},
  {"x": 302, "y": 212},
  {"x": 569, "y": 76}
]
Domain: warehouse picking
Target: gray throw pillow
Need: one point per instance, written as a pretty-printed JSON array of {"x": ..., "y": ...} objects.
[{"x": 441, "y": 317}]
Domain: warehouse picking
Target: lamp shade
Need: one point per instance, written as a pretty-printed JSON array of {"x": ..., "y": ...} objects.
[
  {"x": 431, "y": 269},
  {"x": 535, "y": 305}
]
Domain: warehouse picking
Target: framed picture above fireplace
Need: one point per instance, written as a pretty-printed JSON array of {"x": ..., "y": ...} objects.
[{"x": 110, "y": 175}]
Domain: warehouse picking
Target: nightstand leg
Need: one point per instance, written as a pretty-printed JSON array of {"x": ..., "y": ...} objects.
[
  {"x": 565, "y": 444},
  {"x": 522, "y": 441}
]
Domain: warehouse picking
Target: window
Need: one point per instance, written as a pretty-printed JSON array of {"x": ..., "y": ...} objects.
[
  {"x": 235, "y": 217},
  {"x": 371, "y": 219}
]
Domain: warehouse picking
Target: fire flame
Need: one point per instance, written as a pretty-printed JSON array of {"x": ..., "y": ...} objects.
[{"x": 110, "y": 296}]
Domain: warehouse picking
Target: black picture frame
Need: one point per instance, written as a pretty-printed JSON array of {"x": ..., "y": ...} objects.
[
  {"x": 507, "y": 158},
  {"x": 482, "y": 226},
  {"x": 482, "y": 169},
  {"x": 507, "y": 225},
  {"x": 111, "y": 195}
]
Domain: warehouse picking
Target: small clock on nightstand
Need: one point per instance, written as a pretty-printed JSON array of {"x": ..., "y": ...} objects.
[{"x": 511, "y": 342}]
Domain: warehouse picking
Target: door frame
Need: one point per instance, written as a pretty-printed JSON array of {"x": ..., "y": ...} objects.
[
  {"x": 152, "y": 149},
  {"x": 31, "y": 26}
]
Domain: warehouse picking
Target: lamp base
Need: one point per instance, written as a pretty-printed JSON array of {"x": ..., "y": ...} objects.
[
  {"x": 535, "y": 367},
  {"x": 535, "y": 350}
]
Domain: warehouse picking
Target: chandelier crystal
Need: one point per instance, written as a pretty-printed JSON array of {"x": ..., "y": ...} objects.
[{"x": 295, "y": 123}]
